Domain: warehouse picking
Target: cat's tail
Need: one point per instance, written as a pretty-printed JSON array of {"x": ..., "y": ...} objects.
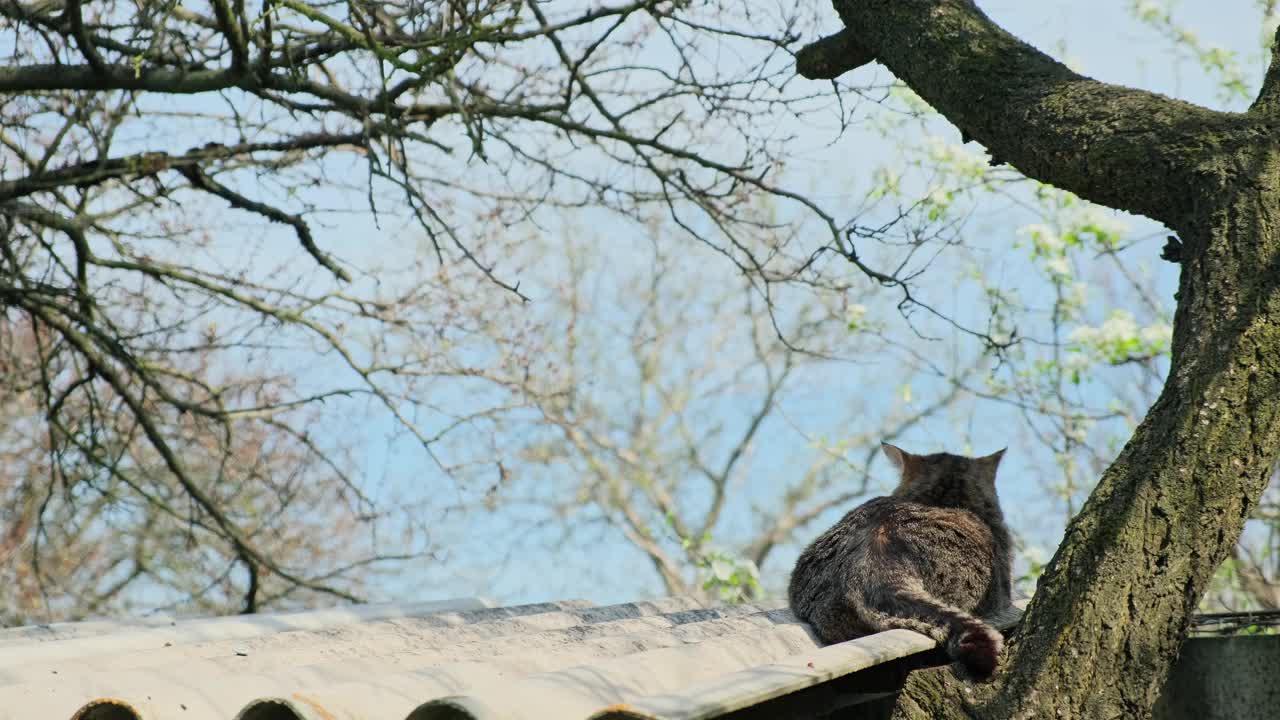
[{"x": 907, "y": 606}]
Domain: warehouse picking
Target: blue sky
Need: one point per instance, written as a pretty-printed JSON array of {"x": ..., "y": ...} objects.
[
  {"x": 500, "y": 556},
  {"x": 1100, "y": 39}
]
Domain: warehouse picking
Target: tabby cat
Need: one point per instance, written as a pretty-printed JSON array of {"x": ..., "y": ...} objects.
[{"x": 934, "y": 557}]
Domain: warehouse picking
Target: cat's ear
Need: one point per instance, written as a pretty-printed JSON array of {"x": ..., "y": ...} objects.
[
  {"x": 989, "y": 463},
  {"x": 896, "y": 455}
]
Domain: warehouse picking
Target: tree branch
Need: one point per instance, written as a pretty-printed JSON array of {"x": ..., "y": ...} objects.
[
  {"x": 225, "y": 525},
  {"x": 250, "y": 593},
  {"x": 27, "y": 78},
  {"x": 1031, "y": 111},
  {"x": 832, "y": 56},
  {"x": 99, "y": 171},
  {"x": 230, "y": 28},
  {"x": 76, "y": 18},
  {"x": 200, "y": 180}
]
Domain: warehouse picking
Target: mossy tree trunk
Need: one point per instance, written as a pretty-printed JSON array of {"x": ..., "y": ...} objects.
[{"x": 1113, "y": 606}]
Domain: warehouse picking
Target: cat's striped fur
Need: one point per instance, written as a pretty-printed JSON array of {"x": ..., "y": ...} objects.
[{"x": 934, "y": 557}]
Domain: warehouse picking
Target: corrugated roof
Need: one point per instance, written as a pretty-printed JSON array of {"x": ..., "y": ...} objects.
[{"x": 669, "y": 658}]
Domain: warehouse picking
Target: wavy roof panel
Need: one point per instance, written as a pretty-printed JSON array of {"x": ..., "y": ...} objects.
[{"x": 670, "y": 658}]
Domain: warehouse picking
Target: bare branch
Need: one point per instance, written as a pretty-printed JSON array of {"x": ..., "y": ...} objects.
[
  {"x": 30, "y": 78},
  {"x": 229, "y": 24},
  {"x": 198, "y": 179},
  {"x": 74, "y": 14},
  {"x": 1049, "y": 122},
  {"x": 148, "y": 164}
]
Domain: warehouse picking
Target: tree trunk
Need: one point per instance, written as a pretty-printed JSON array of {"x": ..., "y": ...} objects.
[{"x": 1113, "y": 606}]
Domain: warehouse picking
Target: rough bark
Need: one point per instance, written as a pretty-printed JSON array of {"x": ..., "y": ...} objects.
[{"x": 1113, "y": 605}]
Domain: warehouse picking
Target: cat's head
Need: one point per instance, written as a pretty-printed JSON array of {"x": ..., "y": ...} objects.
[{"x": 947, "y": 480}]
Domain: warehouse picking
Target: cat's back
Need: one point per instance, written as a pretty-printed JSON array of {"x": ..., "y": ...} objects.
[
  {"x": 911, "y": 522},
  {"x": 824, "y": 565},
  {"x": 885, "y": 534},
  {"x": 939, "y": 545},
  {"x": 882, "y": 522}
]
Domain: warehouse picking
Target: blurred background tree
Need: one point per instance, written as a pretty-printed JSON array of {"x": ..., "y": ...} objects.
[{"x": 308, "y": 302}]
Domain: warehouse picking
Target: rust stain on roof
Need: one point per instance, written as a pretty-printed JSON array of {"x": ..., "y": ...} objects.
[{"x": 314, "y": 705}]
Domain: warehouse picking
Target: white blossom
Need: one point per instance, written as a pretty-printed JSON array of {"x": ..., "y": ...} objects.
[
  {"x": 1045, "y": 238},
  {"x": 1076, "y": 362},
  {"x": 1078, "y": 430},
  {"x": 937, "y": 195},
  {"x": 855, "y": 314},
  {"x": 1157, "y": 335},
  {"x": 1084, "y": 335},
  {"x": 1059, "y": 266},
  {"x": 962, "y": 160},
  {"x": 1079, "y": 293},
  {"x": 1269, "y": 25},
  {"x": 1119, "y": 326},
  {"x": 1148, "y": 10},
  {"x": 1105, "y": 222}
]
